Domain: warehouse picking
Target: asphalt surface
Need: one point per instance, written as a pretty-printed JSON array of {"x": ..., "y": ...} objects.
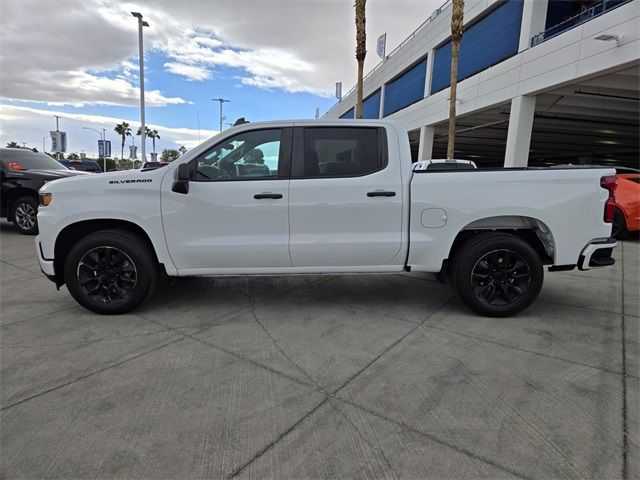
[{"x": 368, "y": 376}]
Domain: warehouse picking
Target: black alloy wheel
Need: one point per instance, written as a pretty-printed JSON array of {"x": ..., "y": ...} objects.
[
  {"x": 106, "y": 274},
  {"x": 501, "y": 277},
  {"x": 111, "y": 271},
  {"x": 497, "y": 274}
]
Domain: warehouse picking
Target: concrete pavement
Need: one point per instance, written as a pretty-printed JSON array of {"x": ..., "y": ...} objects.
[{"x": 366, "y": 376}]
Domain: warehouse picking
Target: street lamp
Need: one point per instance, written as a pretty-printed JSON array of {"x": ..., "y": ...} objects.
[
  {"x": 104, "y": 146},
  {"x": 221, "y": 100},
  {"x": 143, "y": 130}
]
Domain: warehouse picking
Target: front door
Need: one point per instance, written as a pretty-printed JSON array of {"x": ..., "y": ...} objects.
[{"x": 235, "y": 214}]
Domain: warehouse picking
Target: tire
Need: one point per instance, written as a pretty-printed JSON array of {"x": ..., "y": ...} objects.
[
  {"x": 111, "y": 272},
  {"x": 24, "y": 214},
  {"x": 619, "y": 230},
  {"x": 497, "y": 274}
]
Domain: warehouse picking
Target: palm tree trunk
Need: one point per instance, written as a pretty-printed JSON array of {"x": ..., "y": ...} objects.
[
  {"x": 153, "y": 139},
  {"x": 457, "y": 11},
  {"x": 361, "y": 51},
  {"x": 122, "y": 148}
]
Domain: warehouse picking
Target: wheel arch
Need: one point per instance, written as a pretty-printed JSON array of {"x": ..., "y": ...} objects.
[
  {"x": 69, "y": 235},
  {"x": 532, "y": 230}
]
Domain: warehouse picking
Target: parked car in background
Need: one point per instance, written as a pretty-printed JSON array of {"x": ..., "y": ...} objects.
[
  {"x": 153, "y": 165},
  {"x": 82, "y": 165},
  {"x": 23, "y": 172},
  {"x": 627, "y": 202}
]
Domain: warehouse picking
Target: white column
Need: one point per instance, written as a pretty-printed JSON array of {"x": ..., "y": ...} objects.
[
  {"x": 519, "y": 135},
  {"x": 425, "y": 148},
  {"x": 427, "y": 78},
  {"x": 534, "y": 17},
  {"x": 381, "y": 112}
]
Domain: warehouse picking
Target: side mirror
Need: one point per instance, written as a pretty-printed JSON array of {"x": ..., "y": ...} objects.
[{"x": 181, "y": 182}]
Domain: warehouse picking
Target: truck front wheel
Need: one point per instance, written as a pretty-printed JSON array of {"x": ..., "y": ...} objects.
[
  {"x": 110, "y": 271},
  {"x": 497, "y": 274}
]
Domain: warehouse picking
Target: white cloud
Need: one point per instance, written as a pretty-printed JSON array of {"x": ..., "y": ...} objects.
[
  {"x": 82, "y": 53},
  {"x": 31, "y": 125},
  {"x": 190, "y": 72}
]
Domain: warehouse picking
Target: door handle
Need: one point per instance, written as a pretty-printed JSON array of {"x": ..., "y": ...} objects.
[
  {"x": 260, "y": 196},
  {"x": 381, "y": 193}
]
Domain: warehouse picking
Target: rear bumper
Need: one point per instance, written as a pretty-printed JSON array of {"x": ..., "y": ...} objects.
[{"x": 597, "y": 254}]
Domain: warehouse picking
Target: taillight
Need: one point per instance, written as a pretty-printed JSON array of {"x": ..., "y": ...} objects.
[{"x": 609, "y": 183}]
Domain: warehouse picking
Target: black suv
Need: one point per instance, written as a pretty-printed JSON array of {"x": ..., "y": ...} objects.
[{"x": 23, "y": 173}]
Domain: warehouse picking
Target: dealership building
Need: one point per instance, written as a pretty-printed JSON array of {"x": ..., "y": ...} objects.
[{"x": 541, "y": 82}]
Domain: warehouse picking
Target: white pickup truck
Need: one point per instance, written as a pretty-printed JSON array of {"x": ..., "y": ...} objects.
[{"x": 311, "y": 197}]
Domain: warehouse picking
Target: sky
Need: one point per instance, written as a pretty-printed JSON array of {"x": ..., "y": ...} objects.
[{"x": 273, "y": 59}]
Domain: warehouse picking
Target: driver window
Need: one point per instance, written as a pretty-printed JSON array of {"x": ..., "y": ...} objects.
[{"x": 246, "y": 156}]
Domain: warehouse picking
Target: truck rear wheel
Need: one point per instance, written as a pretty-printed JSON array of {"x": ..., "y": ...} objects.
[
  {"x": 110, "y": 271},
  {"x": 497, "y": 274}
]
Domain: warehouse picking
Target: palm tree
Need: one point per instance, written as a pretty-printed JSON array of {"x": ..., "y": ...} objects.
[
  {"x": 361, "y": 50},
  {"x": 124, "y": 130},
  {"x": 457, "y": 11},
  {"x": 13, "y": 145},
  {"x": 147, "y": 133},
  {"x": 153, "y": 135}
]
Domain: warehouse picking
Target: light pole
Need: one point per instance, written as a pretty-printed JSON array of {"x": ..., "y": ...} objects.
[
  {"x": 104, "y": 146},
  {"x": 141, "y": 23},
  {"x": 221, "y": 101}
]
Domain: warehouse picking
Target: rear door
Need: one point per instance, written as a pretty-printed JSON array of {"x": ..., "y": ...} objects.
[{"x": 345, "y": 199}]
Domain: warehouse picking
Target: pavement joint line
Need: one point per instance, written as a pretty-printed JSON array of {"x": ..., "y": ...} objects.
[
  {"x": 625, "y": 425},
  {"x": 91, "y": 374},
  {"x": 271, "y": 444},
  {"x": 524, "y": 350},
  {"x": 87, "y": 342},
  {"x": 248, "y": 360},
  {"x": 275, "y": 343},
  {"x": 192, "y": 336},
  {"x": 531, "y": 428},
  {"x": 33, "y": 277},
  {"x": 320, "y": 389},
  {"x": 20, "y": 268},
  {"x": 594, "y": 310},
  {"x": 330, "y": 395},
  {"x": 435, "y": 439},
  {"x": 362, "y": 436},
  {"x": 37, "y": 317}
]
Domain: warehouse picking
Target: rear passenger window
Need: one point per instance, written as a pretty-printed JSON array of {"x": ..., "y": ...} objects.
[{"x": 342, "y": 152}]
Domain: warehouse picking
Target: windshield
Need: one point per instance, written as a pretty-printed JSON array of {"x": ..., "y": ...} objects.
[{"x": 26, "y": 160}]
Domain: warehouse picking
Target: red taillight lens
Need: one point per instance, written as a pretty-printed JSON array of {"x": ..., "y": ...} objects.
[
  {"x": 15, "y": 166},
  {"x": 609, "y": 183}
]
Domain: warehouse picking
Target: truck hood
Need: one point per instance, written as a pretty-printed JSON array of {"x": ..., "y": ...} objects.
[{"x": 104, "y": 181}]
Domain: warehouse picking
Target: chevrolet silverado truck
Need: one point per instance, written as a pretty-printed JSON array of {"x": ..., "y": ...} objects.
[{"x": 314, "y": 197}]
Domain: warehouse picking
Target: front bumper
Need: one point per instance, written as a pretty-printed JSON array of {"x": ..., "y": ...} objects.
[
  {"x": 597, "y": 254},
  {"x": 46, "y": 264}
]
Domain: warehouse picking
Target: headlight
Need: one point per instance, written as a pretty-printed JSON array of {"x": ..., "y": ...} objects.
[{"x": 45, "y": 199}]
